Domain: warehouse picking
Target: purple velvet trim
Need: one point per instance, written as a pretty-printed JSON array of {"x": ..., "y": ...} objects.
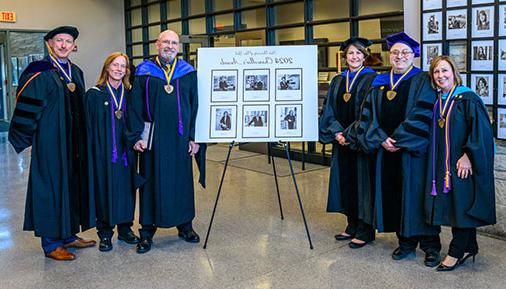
[
  {"x": 179, "y": 117},
  {"x": 147, "y": 99},
  {"x": 434, "y": 117},
  {"x": 124, "y": 157},
  {"x": 114, "y": 157}
]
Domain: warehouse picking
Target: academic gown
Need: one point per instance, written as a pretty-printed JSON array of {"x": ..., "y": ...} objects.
[
  {"x": 167, "y": 197},
  {"x": 399, "y": 177},
  {"x": 341, "y": 116},
  {"x": 471, "y": 202},
  {"x": 112, "y": 176},
  {"x": 50, "y": 119}
]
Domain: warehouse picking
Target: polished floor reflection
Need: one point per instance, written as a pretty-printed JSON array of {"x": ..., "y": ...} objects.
[{"x": 249, "y": 246}]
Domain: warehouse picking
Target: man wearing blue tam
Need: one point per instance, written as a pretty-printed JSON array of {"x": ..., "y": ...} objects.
[
  {"x": 161, "y": 120},
  {"x": 395, "y": 125}
]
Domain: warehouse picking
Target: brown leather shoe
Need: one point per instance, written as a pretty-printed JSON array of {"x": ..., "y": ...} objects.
[
  {"x": 61, "y": 254},
  {"x": 80, "y": 243}
]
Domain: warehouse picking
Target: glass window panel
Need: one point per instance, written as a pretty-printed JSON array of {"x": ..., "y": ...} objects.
[
  {"x": 246, "y": 3},
  {"x": 137, "y": 61},
  {"x": 174, "y": 9},
  {"x": 289, "y": 13},
  {"x": 224, "y": 23},
  {"x": 197, "y": 7},
  {"x": 223, "y": 4},
  {"x": 137, "y": 50},
  {"x": 135, "y": 2},
  {"x": 175, "y": 26},
  {"x": 136, "y": 17},
  {"x": 379, "y": 55},
  {"x": 332, "y": 32},
  {"x": 152, "y": 49},
  {"x": 154, "y": 31},
  {"x": 332, "y": 56},
  {"x": 379, "y": 28},
  {"x": 379, "y": 6},
  {"x": 326, "y": 9},
  {"x": 197, "y": 26},
  {"x": 289, "y": 34},
  {"x": 137, "y": 35},
  {"x": 154, "y": 13},
  {"x": 224, "y": 41},
  {"x": 253, "y": 18}
]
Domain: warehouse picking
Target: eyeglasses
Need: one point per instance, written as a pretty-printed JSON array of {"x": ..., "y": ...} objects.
[
  {"x": 404, "y": 53},
  {"x": 170, "y": 42}
]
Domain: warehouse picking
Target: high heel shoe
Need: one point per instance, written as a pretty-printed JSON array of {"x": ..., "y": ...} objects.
[
  {"x": 443, "y": 268},
  {"x": 469, "y": 255}
]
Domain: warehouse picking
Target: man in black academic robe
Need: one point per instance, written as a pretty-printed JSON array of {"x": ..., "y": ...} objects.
[
  {"x": 164, "y": 98},
  {"x": 395, "y": 124},
  {"x": 49, "y": 117}
]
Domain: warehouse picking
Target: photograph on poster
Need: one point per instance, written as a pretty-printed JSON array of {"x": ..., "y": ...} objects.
[
  {"x": 483, "y": 22},
  {"x": 288, "y": 120},
  {"x": 456, "y": 3},
  {"x": 255, "y": 121},
  {"x": 223, "y": 121},
  {"x": 502, "y": 20},
  {"x": 501, "y": 89},
  {"x": 432, "y": 50},
  {"x": 458, "y": 51},
  {"x": 288, "y": 84},
  {"x": 501, "y": 123},
  {"x": 256, "y": 85},
  {"x": 224, "y": 85},
  {"x": 456, "y": 26},
  {"x": 482, "y": 84},
  {"x": 432, "y": 4},
  {"x": 432, "y": 26},
  {"x": 482, "y": 55},
  {"x": 502, "y": 55},
  {"x": 463, "y": 76}
]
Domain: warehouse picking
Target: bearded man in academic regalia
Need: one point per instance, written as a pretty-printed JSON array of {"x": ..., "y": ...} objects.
[
  {"x": 49, "y": 117},
  {"x": 161, "y": 120}
]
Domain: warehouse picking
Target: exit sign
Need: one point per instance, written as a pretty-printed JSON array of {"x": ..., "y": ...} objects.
[{"x": 7, "y": 16}]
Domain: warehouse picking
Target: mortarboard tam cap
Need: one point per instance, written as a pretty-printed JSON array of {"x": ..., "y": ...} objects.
[
  {"x": 72, "y": 31},
  {"x": 362, "y": 41},
  {"x": 402, "y": 37}
]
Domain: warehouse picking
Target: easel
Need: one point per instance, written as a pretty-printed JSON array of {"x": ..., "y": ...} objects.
[{"x": 271, "y": 158}]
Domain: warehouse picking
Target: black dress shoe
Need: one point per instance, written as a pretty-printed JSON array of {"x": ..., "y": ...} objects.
[
  {"x": 144, "y": 245},
  {"x": 400, "y": 254},
  {"x": 129, "y": 238},
  {"x": 342, "y": 237},
  {"x": 443, "y": 268},
  {"x": 469, "y": 255},
  {"x": 189, "y": 236},
  {"x": 432, "y": 259},
  {"x": 354, "y": 245},
  {"x": 105, "y": 245}
]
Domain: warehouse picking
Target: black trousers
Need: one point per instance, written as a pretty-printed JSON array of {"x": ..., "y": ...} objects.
[
  {"x": 148, "y": 231},
  {"x": 106, "y": 231},
  {"x": 360, "y": 229},
  {"x": 427, "y": 243},
  {"x": 464, "y": 241}
]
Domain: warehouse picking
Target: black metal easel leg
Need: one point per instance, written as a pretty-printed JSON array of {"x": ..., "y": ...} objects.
[
  {"x": 298, "y": 195},
  {"x": 218, "y": 194},
  {"x": 271, "y": 157}
]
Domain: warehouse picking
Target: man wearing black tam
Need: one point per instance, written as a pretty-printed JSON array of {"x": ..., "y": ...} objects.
[
  {"x": 395, "y": 126},
  {"x": 49, "y": 117}
]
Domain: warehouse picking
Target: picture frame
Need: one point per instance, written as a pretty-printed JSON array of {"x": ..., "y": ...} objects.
[
  {"x": 456, "y": 3},
  {"x": 223, "y": 121},
  {"x": 501, "y": 55},
  {"x": 482, "y": 55},
  {"x": 501, "y": 89},
  {"x": 458, "y": 51},
  {"x": 502, "y": 20},
  {"x": 432, "y": 50},
  {"x": 288, "y": 84},
  {"x": 501, "y": 123},
  {"x": 483, "y": 85},
  {"x": 456, "y": 24},
  {"x": 256, "y": 120},
  {"x": 288, "y": 120},
  {"x": 224, "y": 85},
  {"x": 483, "y": 21},
  {"x": 256, "y": 85},
  {"x": 432, "y": 26},
  {"x": 432, "y": 4}
]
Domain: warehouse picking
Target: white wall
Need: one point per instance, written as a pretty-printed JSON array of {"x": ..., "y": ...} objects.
[
  {"x": 100, "y": 22},
  {"x": 412, "y": 21}
]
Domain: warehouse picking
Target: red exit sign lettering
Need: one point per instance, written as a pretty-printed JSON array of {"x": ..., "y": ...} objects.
[{"x": 7, "y": 16}]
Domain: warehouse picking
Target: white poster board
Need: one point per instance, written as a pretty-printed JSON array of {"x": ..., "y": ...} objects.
[{"x": 257, "y": 94}]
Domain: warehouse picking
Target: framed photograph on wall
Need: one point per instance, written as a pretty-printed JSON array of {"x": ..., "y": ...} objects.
[
  {"x": 481, "y": 1},
  {"x": 501, "y": 123},
  {"x": 501, "y": 89},
  {"x": 464, "y": 79},
  {"x": 482, "y": 55},
  {"x": 223, "y": 121},
  {"x": 502, "y": 20},
  {"x": 431, "y": 51},
  {"x": 483, "y": 21},
  {"x": 483, "y": 84},
  {"x": 458, "y": 51},
  {"x": 501, "y": 58},
  {"x": 456, "y": 24},
  {"x": 432, "y": 4},
  {"x": 456, "y": 3},
  {"x": 432, "y": 26},
  {"x": 224, "y": 85},
  {"x": 255, "y": 121}
]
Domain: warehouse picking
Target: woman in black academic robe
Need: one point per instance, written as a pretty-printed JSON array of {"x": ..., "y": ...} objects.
[
  {"x": 346, "y": 94},
  {"x": 460, "y": 186},
  {"x": 111, "y": 161}
]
